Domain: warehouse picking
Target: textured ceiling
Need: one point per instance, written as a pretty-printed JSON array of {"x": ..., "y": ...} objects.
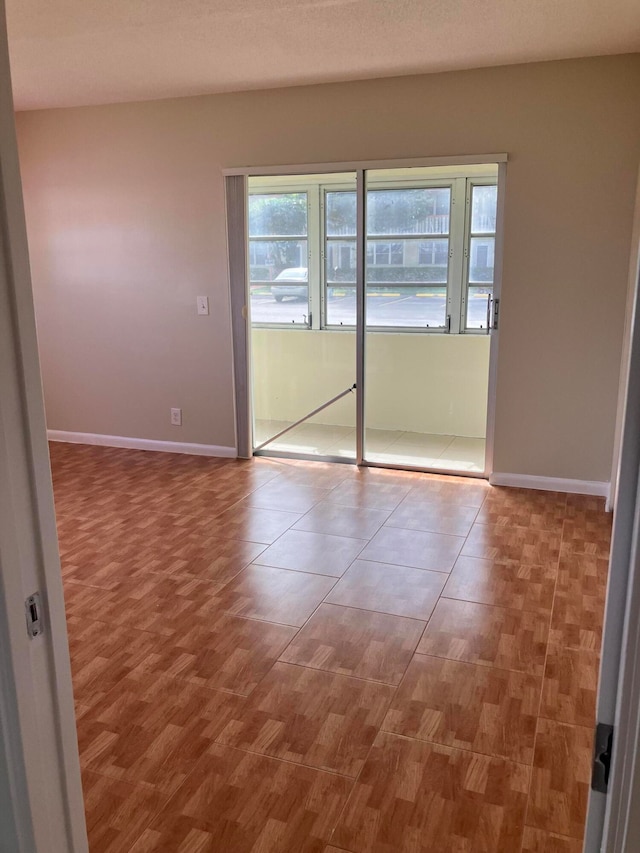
[{"x": 75, "y": 52}]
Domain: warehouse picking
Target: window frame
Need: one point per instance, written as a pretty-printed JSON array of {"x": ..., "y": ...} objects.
[
  {"x": 406, "y": 184},
  {"x": 312, "y": 228},
  {"x": 459, "y": 242},
  {"x": 469, "y": 235}
]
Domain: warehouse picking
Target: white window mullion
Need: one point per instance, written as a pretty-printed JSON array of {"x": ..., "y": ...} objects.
[
  {"x": 456, "y": 293},
  {"x": 315, "y": 253}
]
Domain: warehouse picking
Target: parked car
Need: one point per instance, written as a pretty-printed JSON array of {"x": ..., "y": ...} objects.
[{"x": 289, "y": 284}]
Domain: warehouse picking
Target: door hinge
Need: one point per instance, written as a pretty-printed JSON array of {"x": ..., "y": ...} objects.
[
  {"x": 602, "y": 747},
  {"x": 33, "y": 608}
]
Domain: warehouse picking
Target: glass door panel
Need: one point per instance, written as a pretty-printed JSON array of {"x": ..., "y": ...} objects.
[
  {"x": 430, "y": 236},
  {"x": 303, "y": 350}
]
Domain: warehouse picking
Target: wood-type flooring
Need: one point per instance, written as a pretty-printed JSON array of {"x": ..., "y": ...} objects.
[{"x": 272, "y": 656}]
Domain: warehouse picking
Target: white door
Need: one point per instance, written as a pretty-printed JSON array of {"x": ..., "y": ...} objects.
[{"x": 41, "y": 807}]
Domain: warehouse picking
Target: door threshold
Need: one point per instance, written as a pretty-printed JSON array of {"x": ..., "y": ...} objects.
[
  {"x": 449, "y": 472},
  {"x": 304, "y": 457},
  {"x": 341, "y": 460}
]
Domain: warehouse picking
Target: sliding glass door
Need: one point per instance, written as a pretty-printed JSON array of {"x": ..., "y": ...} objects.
[
  {"x": 301, "y": 247},
  {"x": 428, "y": 281},
  {"x": 381, "y": 279}
]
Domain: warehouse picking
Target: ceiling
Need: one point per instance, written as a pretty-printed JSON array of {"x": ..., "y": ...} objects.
[{"x": 77, "y": 52}]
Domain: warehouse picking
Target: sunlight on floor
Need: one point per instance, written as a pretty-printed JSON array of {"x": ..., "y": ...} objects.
[{"x": 394, "y": 447}]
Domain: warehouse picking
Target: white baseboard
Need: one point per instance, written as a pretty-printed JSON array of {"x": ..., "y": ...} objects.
[
  {"x": 552, "y": 484},
  {"x": 142, "y": 443}
]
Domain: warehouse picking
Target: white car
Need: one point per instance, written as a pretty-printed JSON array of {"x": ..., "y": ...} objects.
[{"x": 290, "y": 284}]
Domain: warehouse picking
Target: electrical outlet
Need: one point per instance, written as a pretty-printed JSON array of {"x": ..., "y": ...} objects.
[
  {"x": 203, "y": 304},
  {"x": 176, "y": 417}
]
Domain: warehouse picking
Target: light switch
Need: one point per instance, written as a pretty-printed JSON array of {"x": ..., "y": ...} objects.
[{"x": 203, "y": 304}]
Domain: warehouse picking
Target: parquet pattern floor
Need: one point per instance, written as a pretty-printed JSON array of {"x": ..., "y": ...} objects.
[{"x": 273, "y": 656}]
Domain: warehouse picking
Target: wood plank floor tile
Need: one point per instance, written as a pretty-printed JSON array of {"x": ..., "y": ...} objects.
[
  {"x": 285, "y": 495},
  {"x": 212, "y": 559},
  {"x": 237, "y": 803},
  {"x": 151, "y": 730},
  {"x": 459, "y": 490},
  {"x": 117, "y": 812},
  {"x": 369, "y": 494},
  {"x": 570, "y": 686},
  {"x": 523, "y": 544},
  {"x": 415, "y": 548},
  {"x": 339, "y": 520},
  {"x": 561, "y": 778},
  {"x": 578, "y": 610},
  {"x": 399, "y": 590},
  {"x": 538, "y": 841},
  {"x": 320, "y": 475},
  {"x": 486, "y": 710},
  {"x": 578, "y": 614},
  {"x": 581, "y": 573},
  {"x": 318, "y": 553},
  {"x": 168, "y": 550},
  {"x": 487, "y": 635},
  {"x": 361, "y": 643},
  {"x": 102, "y": 654},
  {"x": 159, "y": 604},
  {"x": 421, "y": 797},
  {"x": 228, "y": 653},
  {"x": 125, "y": 503},
  {"x": 585, "y": 510},
  {"x": 200, "y": 504},
  {"x": 518, "y": 497},
  {"x": 254, "y": 524},
  {"x": 434, "y": 517},
  {"x": 524, "y": 508},
  {"x": 591, "y": 537},
  {"x": 177, "y": 618},
  {"x": 509, "y": 584},
  {"x": 315, "y": 718},
  {"x": 274, "y": 595},
  {"x": 577, "y": 504},
  {"x": 224, "y": 653}
]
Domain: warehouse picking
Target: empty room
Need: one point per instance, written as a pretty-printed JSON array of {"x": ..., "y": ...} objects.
[{"x": 320, "y": 427}]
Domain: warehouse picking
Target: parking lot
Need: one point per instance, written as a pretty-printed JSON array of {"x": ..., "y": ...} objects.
[{"x": 403, "y": 308}]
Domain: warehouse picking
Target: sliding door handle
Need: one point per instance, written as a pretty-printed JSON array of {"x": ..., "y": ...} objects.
[
  {"x": 489, "y": 301},
  {"x": 493, "y": 313}
]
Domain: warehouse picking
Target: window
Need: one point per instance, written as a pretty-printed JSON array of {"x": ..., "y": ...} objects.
[
  {"x": 483, "y": 200},
  {"x": 278, "y": 267},
  {"x": 407, "y": 279},
  {"x": 340, "y": 258},
  {"x": 429, "y": 253}
]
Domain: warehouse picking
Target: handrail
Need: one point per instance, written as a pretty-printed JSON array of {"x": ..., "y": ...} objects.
[{"x": 306, "y": 417}]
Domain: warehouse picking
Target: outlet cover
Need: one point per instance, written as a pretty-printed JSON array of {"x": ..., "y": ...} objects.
[{"x": 176, "y": 417}]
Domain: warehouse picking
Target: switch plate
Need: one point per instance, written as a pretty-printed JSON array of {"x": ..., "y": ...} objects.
[
  {"x": 176, "y": 417},
  {"x": 203, "y": 304}
]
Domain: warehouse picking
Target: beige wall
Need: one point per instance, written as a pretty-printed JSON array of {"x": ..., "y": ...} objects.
[
  {"x": 419, "y": 383},
  {"x": 126, "y": 223}
]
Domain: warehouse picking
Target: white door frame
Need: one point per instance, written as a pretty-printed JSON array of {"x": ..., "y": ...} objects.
[
  {"x": 236, "y": 182},
  {"x": 613, "y": 820},
  {"x": 41, "y": 810}
]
